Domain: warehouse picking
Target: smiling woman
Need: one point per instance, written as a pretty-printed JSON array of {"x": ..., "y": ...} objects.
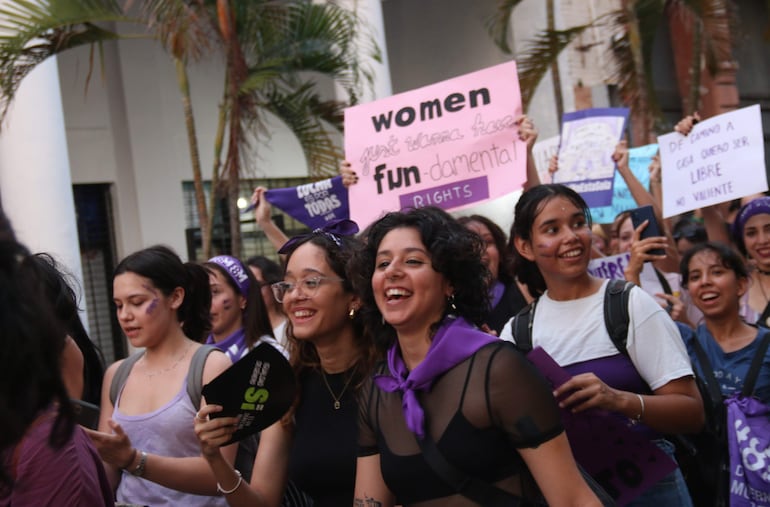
[
  {"x": 313, "y": 449},
  {"x": 425, "y": 289},
  {"x": 650, "y": 382}
]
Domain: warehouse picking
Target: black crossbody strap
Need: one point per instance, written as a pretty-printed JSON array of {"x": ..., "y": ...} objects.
[
  {"x": 756, "y": 364},
  {"x": 470, "y": 487},
  {"x": 715, "y": 393}
]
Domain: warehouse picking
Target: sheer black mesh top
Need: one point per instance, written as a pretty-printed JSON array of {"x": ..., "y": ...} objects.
[{"x": 478, "y": 413}]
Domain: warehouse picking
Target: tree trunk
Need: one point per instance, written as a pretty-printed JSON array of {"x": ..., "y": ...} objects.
[
  {"x": 641, "y": 120},
  {"x": 555, "y": 74},
  {"x": 192, "y": 141},
  {"x": 217, "y": 165}
]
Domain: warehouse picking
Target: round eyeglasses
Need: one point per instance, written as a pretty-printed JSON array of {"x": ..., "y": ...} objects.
[{"x": 308, "y": 286}]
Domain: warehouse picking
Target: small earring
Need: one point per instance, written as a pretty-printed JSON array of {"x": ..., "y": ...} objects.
[
  {"x": 352, "y": 313},
  {"x": 451, "y": 301}
]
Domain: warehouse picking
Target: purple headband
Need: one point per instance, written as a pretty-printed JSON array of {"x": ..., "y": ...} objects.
[
  {"x": 755, "y": 207},
  {"x": 235, "y": 269},
  {"x": 332, "y": 230}
]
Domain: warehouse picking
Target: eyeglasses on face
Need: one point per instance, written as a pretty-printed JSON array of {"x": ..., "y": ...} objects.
[{"x": 309, "y": 286}]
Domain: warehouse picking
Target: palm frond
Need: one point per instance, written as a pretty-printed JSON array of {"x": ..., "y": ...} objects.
[
  {"x": 538, "y": 56},
  {"x": 498, "y": 24},
  {"x": 186, "y": 28},
  {"x": 297, "y": 109},
  {"x": 717, "y": 20},
  {"x": 31, "y": 31}
]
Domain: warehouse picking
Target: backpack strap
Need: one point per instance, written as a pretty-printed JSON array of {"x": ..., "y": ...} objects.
[
  {"x": 521, "y": 328},
  {"x": 715, "y": 393},
  {"x": 756, "y": 364},
  {"x": 195, "y": 373},
  {"x": 121, "y": 374},
  {"x": 663, "y": 282},
  {"x": 616, "y": 317}
]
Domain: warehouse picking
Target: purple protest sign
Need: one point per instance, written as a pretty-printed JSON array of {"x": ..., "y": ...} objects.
[
  {"x": 622, "y": 460},
  {"x": 612, "y": 266},
  {"x": 588, "y": 140},
  {"x": 314, "y": 204}
]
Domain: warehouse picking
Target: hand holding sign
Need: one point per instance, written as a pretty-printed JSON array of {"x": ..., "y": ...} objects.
[
  {"x": 256, "y": 391},
  {"x": 720, "y": 159}
]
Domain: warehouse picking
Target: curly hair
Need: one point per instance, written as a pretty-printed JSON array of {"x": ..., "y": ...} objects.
[
  {"x": 302, "y": 353},
  {"x": 528, "y": 207},
  {"x": 455, "y": 253},
  {"x": 505, "y": 267}
]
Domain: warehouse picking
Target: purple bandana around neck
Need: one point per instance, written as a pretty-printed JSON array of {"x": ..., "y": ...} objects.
[
  {"x": 496, "y": 293},
  {"x": 234, "y": 268},
  {"x": 455, "y": 341}
]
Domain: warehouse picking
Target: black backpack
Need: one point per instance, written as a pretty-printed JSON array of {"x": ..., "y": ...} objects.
[{"x": 616, "y": 318}]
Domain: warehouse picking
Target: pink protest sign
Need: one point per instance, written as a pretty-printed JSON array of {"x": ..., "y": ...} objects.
[{"x": 451, "y": 144}]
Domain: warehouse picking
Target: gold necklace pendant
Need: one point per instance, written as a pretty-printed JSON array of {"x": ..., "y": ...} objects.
[{"x": 337, "y": 404}]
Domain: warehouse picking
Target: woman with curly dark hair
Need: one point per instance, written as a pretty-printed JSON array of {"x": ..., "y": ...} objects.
[
  {"x": 447, "y": 385},
  {"x": 314, "y": 447},
  {"x": 45, "y": 458}
]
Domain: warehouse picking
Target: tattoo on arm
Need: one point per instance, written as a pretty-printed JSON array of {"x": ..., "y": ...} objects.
[{"x": 367, "y": 502}]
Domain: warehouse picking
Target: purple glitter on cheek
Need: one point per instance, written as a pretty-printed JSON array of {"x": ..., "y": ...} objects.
[
  {"x": 152, "y": 306},
  {"x": 227, "y": 304}
]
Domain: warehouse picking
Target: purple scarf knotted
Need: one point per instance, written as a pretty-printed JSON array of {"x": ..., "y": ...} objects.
[{"x": 455, "y": 341}]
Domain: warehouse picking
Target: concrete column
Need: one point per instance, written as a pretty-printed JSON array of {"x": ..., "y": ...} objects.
[{"x": 35, "y": 181}]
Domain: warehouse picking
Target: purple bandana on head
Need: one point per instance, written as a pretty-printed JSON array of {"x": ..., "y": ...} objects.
[
  {"x": 455, "y": 341},
  {"x": 234, "y": 268},
  {"x": 755, "y": 207},
  {"x": 333, "y": 230}
]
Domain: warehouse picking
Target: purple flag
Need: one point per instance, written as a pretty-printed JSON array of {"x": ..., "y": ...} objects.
[
  {"x": 624, "y": 462},
  {"x": 314, "y": 204},
  {"x": 748, "y": 439}
]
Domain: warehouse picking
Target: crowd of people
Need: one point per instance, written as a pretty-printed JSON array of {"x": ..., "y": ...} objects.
[{"x": 407, "y": 344}]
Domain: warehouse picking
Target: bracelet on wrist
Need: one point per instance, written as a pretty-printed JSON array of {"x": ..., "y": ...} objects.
[
  {"x": 139, "y": 470},
  {"x": 223, "y": 491},
  {"x": 638, "y": 418}
]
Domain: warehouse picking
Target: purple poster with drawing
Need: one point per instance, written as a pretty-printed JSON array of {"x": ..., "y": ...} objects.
[
  {"x": 624, "y": 461},
  {"x": 588, "y": 140},
  {"x": 314, "y": 204}
]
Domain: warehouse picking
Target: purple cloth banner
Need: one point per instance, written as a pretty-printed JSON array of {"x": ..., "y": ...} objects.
[
  {"x": 314, "y": 204},
  {"x": 622, "y": 460},
  {"x": 748, "y": 439}
]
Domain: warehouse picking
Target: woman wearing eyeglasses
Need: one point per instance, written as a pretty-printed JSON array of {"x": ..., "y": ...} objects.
[{"x": 314, "y": 446}]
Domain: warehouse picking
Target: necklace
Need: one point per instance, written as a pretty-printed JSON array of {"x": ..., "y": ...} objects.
[
  {"x": 761, "y": 271},
  {"x": 169, "y": 368},
  {"x": 337, "y": 398}
]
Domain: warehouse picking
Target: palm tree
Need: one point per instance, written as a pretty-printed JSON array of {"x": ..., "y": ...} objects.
[
  {"x": 276, "y": 52},
  {"x": 270, "y": 48},
  {"x": 634, "y": 25}
]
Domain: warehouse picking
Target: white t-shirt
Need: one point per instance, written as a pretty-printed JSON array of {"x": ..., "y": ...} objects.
[{"x": 574, "y": 331}]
